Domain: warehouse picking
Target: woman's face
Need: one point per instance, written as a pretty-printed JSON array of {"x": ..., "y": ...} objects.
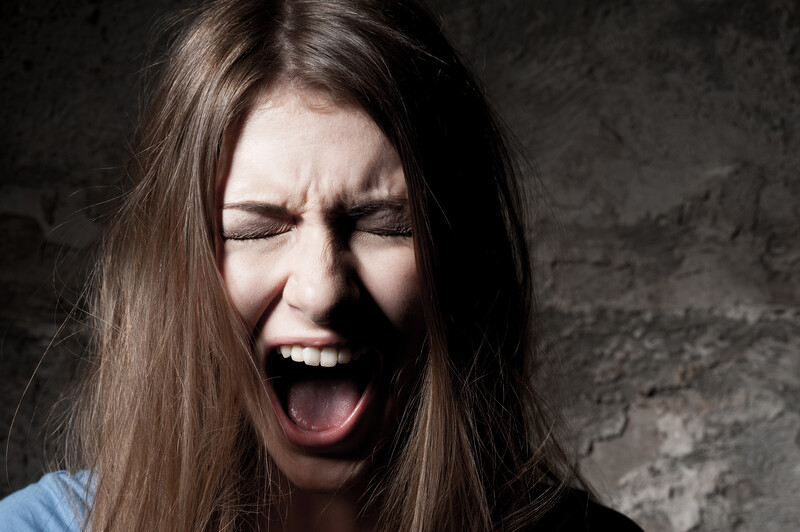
[{"x": 317, "y": 257}]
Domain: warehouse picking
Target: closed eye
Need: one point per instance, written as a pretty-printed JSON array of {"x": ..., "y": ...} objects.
[
  {"x": 259, "y": 231},
  {"x": 254, "y": 221},
  {"x": 398, "y": 230},
  {"x": 386, "y": 218}
]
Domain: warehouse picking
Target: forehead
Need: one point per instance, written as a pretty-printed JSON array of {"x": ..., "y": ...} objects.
[{"x": 296, "y": 146}]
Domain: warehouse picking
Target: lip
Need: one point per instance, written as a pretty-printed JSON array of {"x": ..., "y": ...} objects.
[
  {"x": 330, "y": 340},
  {"x": 348, "y": 435}
]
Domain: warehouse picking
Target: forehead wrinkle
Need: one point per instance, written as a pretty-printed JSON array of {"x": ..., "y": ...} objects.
[{"x": 369, "y": 174}]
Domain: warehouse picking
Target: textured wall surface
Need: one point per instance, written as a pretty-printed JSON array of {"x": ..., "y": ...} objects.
[{"x": 667, "y": 135}]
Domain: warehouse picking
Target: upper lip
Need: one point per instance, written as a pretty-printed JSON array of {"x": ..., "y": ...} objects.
[{"x": 309, "y": 341}]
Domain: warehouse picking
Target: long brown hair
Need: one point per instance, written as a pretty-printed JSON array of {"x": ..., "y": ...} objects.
[{"x": 163, "y": 423}]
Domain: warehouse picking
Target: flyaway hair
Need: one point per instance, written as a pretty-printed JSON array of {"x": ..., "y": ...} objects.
[{"x": 166, "y": 418}]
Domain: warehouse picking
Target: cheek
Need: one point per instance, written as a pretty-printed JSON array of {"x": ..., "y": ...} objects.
[
  {"x": 248, "y": 284},
  {"x": 391, "y": 279}
]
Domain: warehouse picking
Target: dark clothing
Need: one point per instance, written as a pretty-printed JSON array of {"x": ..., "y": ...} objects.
[{"x": 576, "y": 513}]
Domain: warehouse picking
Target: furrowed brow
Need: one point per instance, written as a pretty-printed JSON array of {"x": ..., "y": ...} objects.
[
  {"x": 255, "y": 207},
  {"x": 371, "y": 206}
]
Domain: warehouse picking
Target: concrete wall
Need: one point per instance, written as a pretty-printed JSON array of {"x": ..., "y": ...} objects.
[
  {"x": 668, "y": 253},
  {"x": 667, "y": 134}
]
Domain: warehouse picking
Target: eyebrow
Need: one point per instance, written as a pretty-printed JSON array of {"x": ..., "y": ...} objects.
[
  {"x": 362, "y": 208},
  {"x": 371, "y": 206},
  {"x": 257, "y": 207}
]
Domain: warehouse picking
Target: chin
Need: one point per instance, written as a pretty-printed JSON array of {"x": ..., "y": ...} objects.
[{"x": 319, "y": 474}]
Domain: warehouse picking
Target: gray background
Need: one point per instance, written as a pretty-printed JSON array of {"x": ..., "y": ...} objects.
[{"x": 668, "y": 139}]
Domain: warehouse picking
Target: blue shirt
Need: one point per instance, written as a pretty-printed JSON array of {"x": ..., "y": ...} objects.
[{"x": 57, "y": 503}]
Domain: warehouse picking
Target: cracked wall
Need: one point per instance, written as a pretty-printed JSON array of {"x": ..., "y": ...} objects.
[{"x": 668, "y": 141}]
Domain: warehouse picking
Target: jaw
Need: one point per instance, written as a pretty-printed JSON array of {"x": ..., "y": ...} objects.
[{"x": 322, "y": 474}]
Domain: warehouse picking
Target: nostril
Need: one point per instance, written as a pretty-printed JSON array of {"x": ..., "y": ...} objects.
[{"x": 321, "y": 295}]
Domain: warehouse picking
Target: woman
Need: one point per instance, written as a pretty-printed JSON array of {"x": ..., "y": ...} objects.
[{"x": 313, "y": 308}]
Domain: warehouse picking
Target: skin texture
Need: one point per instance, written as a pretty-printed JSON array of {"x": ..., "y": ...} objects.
[{"x": 305, "y": 262}]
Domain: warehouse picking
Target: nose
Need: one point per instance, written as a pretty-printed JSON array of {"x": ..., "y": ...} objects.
[{"x": 321, "y": 281}]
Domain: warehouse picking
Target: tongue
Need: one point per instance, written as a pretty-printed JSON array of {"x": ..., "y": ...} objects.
[{"x": 318, "y": 405}]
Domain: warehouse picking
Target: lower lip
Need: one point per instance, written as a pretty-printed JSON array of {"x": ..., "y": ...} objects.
[{"x": 332, "y": 439}]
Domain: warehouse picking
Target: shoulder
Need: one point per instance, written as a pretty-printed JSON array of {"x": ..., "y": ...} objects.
[
  {"x": 57, "y": 502},
  {"x": 575, "y": 512}
]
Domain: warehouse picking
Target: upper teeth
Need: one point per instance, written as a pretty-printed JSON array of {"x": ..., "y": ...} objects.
[{"x": 315, "y": 356}]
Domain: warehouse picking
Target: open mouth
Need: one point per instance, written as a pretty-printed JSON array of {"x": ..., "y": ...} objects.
[{"x": 321, "y": 392}]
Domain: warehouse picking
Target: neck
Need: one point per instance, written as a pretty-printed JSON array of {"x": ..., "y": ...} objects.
[{"x": 331, "y": 512}]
